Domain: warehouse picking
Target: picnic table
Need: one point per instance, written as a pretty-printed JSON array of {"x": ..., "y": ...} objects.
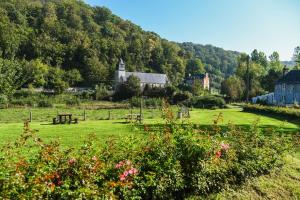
[
  {"x": 64, "y": 118},
  {"x": 133, "y": 117}
]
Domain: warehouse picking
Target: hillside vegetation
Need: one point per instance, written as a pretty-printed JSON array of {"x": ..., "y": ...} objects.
[{"x": 61, "y": 43}]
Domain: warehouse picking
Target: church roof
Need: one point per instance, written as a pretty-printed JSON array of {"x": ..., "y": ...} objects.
[
  {"x": 150, "y": 78},
  {"x": 292, "y": 77},
  {"x": 196, "y": 76}
]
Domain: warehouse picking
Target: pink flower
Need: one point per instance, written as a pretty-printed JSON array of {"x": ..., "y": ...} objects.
[
  {"x": 71, "y": 161},
  {"x": 133, "y": 171},
  {"x": 224, "y": 147},
  {"x": 119, "y": 165},
  {"x": 126, "y": 173}
]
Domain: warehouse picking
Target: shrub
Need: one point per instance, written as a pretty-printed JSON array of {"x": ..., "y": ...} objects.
[
  {"x": 273, "y": 110},
  {"x": 128, "y": 89},
  {"x": 206, "y": 102},
  {"x": 181, "y": 96},
  {"x": 154, "y": 92},
  {"x": 23, "y": 102},
  {"x": 87, "y": 95},
  {"x": 148, "y": 102},
  {"x": 23, "y": 93},
  {"x": 45, "y": 103},
  {"x": 100, "y": 92},
  {"x": 73, "y": 102},
  {"x": 3, "y": 99}
]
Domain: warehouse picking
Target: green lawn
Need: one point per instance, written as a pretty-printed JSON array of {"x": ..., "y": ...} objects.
[{"x": 73, "y": 135}]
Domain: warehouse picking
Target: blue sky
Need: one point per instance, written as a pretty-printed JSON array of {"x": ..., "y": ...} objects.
[{"x": 242, "y": 25}]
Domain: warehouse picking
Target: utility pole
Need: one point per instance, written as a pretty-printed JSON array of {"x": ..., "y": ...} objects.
[
  {"x": 248, "y": 79},
  {"x": 141, "y": 110}
]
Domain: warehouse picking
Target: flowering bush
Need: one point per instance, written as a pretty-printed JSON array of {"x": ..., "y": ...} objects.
[{"x": 174, "y": 162}]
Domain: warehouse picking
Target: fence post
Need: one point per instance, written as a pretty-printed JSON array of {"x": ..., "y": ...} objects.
[
  {"x": 84, "y": 115},
  {"x": 109, "y": 115},
  {"x": 30, "y": 116},
  {"x": 152, "y": 113},
  {"x": 141, "y": 110}
]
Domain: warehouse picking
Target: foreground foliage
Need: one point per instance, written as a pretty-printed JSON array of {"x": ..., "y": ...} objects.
[{"x": 175, "y": 162}]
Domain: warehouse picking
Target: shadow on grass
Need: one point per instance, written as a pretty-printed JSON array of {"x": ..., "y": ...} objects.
[
  {"x": 51, "y": 124},
  {"x": 224, "y": 128},
  {"x": 289, "y": 119}
]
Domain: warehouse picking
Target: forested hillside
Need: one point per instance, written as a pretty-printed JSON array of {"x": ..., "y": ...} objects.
[
  {"x": 60, "y": 43},
  {"x": 218, "y": 62}
]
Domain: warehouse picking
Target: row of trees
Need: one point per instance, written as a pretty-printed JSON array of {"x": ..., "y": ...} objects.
[{"x": 255, "y": 75}]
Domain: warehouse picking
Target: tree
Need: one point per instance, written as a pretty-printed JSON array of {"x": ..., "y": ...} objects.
[
  {"x": 233, "y": 87},
  {"x": 296, "y": 56},
  {"x": 259, "y": 58},
  {"x": 269, "y": 81},
  {"x": 251, "y": 73},
  {"x": 11, "y": 76},
  {"x": 194, "y": 66},
  {"x": 38, "y": 72},
  {"x": 72, "y": 76},
  {"x": 55, "y": 80},
  {"x": 96, "y": 71},
  {"x": 132, "y": 87},
  {"x": 197, "y": 88},
  {"x": 275, "y": 63}
]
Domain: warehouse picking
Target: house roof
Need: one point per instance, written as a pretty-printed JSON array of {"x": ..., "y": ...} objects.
[
  {"x": 150, "y": 78},
  {"x": 196, "y": 76},
  {"x": 292, "y": 77}
]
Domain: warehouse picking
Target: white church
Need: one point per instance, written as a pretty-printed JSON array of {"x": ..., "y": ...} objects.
[{"x": 151, "y": 79}]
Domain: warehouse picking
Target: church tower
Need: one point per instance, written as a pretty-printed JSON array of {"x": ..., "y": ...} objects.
[{"x": 121, "y": 73}]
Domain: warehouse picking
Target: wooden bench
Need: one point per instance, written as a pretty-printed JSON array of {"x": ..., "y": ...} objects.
[
  {"x": 133, "y": 118},
  {"x": 64, "y": 119}
]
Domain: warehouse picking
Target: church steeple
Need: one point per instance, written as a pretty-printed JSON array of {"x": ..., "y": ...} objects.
[{"x": 121, "y": 65}]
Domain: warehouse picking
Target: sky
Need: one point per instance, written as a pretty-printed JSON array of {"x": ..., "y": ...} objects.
[{"x": 240, "y": 25}]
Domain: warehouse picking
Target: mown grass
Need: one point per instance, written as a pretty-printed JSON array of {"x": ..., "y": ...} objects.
[{"x": 11, "y": 123}]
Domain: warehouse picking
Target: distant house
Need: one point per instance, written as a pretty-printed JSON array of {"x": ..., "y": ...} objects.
[
  {"x": 151, "y": 79},
  {"x": 287, "y": 89},
  {"x": 203, "y": 78}
]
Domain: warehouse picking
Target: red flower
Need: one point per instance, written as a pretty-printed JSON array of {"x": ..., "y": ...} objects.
[
  {"x": 72, "y": 161},
  {"x": 218, "y": 154}
]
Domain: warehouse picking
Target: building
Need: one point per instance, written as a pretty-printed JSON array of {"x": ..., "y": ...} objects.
[
  {"x": 203, "y": 78},
  {"x": 287, "y": 89},
  {"x": 151, "y": 79},
  {"x": 267, "y": 98}
]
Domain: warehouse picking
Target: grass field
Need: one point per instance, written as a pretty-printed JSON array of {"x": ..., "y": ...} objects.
[{"x": 11, "y": 123}]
